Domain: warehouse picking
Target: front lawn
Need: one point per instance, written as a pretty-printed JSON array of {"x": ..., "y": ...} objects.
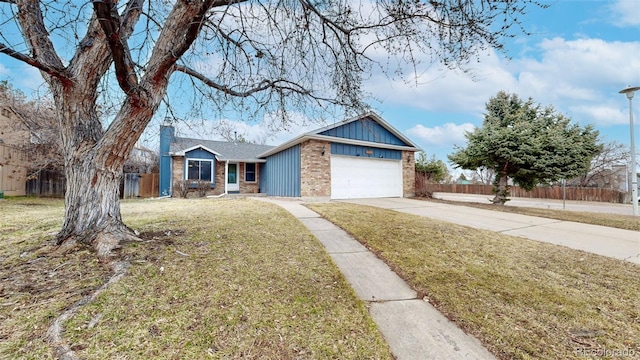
[
  {"x": 212, "y": 279},
  {"x": 522, "y": 298}
]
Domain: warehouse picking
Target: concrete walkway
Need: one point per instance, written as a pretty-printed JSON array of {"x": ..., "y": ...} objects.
[
  {"x": 571, "y": 205},
  {"x": 602, "y": 240},
  {"x": 412, "y": 327}
]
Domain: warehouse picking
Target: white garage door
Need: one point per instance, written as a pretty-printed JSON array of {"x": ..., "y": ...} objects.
[{"x": 358, "y": 177}]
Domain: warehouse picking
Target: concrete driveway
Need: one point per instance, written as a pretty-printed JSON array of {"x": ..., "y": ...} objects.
[
  {"x": 572, "y": 205},
  {"x": 612, "y": 242}
]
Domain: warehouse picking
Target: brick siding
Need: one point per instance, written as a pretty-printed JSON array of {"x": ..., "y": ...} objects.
[
  {"x": 408, "y": 174},
  {"x": 315, "y": 168},
  {"x": 245, "y": 187},
  {"x": 219, "y": 189},
  {"x": 249, "y": 187},
  {"x": 177, "y": 171}
]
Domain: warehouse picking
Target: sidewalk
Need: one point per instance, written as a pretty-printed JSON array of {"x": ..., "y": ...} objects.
[{"x": 412, "y": 327}]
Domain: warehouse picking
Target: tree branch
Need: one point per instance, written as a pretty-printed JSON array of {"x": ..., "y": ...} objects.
[
  {"x": 261, "y": 86},
  {"x": 184, "y": 34},
  {"x": 43, "y": 54},
  {"x": 31, "y": 61},
  {"x": 109, "y": 19}
]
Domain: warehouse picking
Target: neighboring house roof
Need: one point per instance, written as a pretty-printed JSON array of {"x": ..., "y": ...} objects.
[
  {"x": 318, "y": 135},
  {"x": 223, "y": 150}
]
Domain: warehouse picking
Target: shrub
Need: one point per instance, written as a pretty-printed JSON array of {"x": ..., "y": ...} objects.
[
  {"x": 202, "y": 187},
  {"x": 181, "y": 188}
]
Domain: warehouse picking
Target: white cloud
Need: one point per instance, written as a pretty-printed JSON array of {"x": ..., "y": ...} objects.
[
  {"x": 584, "y": 63},
  {"x": 442, "y": 135},
  {"x": 580, "y": 78},
  {"x": 439, "y": 89},
  {"x": 605, "y": 114},
  {"x": 261, "y": 133},
  {"x": 625, "y": 13},
  {"x": 22, "y": 77}
]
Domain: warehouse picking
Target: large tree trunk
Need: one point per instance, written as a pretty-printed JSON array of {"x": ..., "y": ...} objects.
[
  {"x": 93, "y": 167},
  {"x": 92, "y": 206},
  {"x": 501, "y": 188},
  {"x": 94, "y": 159}
]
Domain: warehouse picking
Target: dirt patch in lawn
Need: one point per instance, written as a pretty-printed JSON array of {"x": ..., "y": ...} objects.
[{"x": 37, "y": 284}]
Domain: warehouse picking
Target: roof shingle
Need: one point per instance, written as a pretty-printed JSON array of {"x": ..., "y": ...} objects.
[{"x": 224, "y": 150}]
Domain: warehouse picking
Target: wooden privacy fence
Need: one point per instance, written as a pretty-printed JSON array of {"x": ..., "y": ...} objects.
[
  {"x": 149, "y": 185},
  {"x": 52, "y": 184},
  {"x": 46, "y": 183},
  {"x": 139, "y": 185},
  {"x": 544, "y": 192}
]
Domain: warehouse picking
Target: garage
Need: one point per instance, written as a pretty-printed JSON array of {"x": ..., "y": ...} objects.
[{"x": 362, "y": 177}]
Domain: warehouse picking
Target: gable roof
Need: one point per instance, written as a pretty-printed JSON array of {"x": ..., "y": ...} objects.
[
  {"x": 223, "y": 150},
  {"x": 321, "y": 134}
]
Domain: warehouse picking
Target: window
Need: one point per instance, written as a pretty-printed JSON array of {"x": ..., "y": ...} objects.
[
  {"x": 250, "y": 172},
  {"x": 199, "y": 169}
]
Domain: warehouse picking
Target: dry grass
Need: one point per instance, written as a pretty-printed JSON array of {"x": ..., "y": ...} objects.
[
  {"x": 626, "y": 222},
  {"x": 212, "y": 279},
  {"x": 524, "y": 299},
  {"x": 36, "y": 284}
]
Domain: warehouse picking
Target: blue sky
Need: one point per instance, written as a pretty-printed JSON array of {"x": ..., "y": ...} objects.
[{"x": 580, "y": 54}]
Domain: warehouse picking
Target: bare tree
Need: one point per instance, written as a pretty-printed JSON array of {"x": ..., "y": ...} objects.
[
  {"x": 38, "y": 120},
  {"x": 483, "y": 176},
  {"x": 228, "y": 132},
  {"x": 605, "y": 168},
  {"x": 265, "y": 57}
]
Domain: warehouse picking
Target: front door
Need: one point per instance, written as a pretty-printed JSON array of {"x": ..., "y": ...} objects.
[{"x": 232, "y": 177}]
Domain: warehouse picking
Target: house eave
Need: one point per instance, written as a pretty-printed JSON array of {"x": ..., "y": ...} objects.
[
  {"x": 332, "y": 139},
  {"x": 363, "y": 143},
  {"x": 183, "y": 152},
  {"x": 295, "y": 141},
  {"x": 241, "y": 160},
  {"x": 374, "y": 116},
  {"x": 219, "y": 157}
]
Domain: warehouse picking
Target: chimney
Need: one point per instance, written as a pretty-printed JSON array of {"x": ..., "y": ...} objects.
[{"x": 167, "y": 136}]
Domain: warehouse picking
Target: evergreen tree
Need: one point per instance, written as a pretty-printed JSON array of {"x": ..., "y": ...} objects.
[
  {"x": 528, "y": 143},
  {"x": 434, "y": 170}
]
